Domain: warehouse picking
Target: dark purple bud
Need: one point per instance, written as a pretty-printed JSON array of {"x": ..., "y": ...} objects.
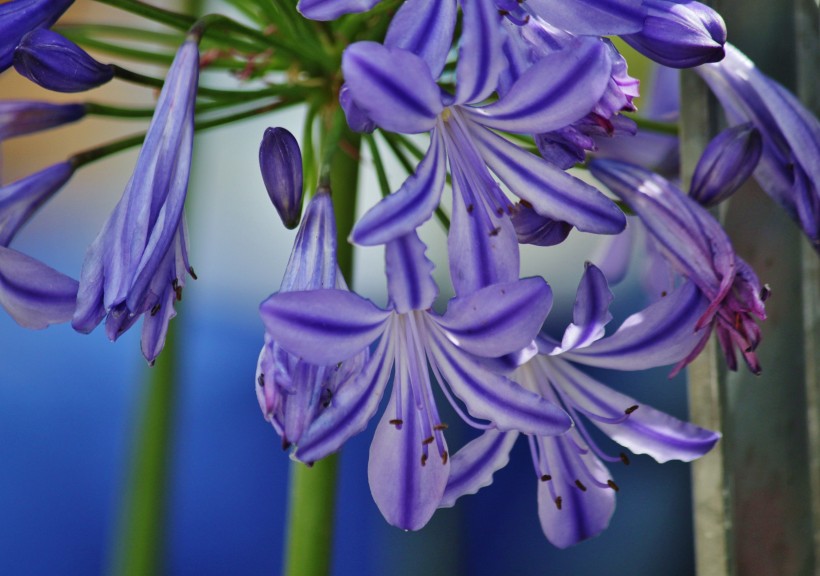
[
  {"x": 532, "y": 228},
  {"x": 281, "y": 162},
  {"x": 680, "y": 34},
  {"x": 726, "y": 163},
  {"x": 21, "y": 16},
  {"x": 21, "y": 199},
  {"x": 56, "y": 63},
  {"x": 18, "y": 117},
  {"x": 356, "y": 118}
]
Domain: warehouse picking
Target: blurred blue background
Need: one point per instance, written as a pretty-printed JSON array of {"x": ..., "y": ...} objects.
[{"x": 70, "y": 404}]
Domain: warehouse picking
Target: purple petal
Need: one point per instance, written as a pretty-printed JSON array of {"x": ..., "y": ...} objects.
[
  {"x": 312, "y": 264},
  {"x": 410, "y": 206},
  {"x": 530, "y": 228},
  {"x": 645, "y": 431},
  {"x": 729, "y": 159},
  {"x": 407, "y": 486},
  {"x": 578, "y": 77},
  {"x": 491, "y": 397},
  {"x": 332, "y": 9},
  {"x": 591, "y": 17},
  {"x": 425, "y": 28},
  {"x": 480, "y": 59},
  {"x": 18, "y": 117},
  {"x": 322, "y": 326},
  {"x": 661, "y": 334},
  {"x": 351, "y": 407},
  {"x": 590, "y": 314},
  {"x": 20, "y": 16},
  {"x": 499, "y": 319},
  {"x": 410, "y": 283},
  {"x": 34, "y": 294},
  {"x": 473, "y": 466},
  {"x": 551, "y": 192},
  {"x": 393, "y": 87},
  {"x": 582, "y": 513},
  {"x": 21, "y": 199}
]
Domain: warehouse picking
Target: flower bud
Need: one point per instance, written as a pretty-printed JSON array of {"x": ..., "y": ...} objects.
[
  {"x": 20, "y": 16},
  {"x": 281, "y": 162},
  {"x": 680, "y": 34},
  {"x": 56, "y": 63},
  {"x": 726, "y": 163},
  {"x": 18, "y": 117}
]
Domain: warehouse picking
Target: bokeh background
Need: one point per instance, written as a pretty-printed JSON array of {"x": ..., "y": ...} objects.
[{"x": 70, "y": 404}]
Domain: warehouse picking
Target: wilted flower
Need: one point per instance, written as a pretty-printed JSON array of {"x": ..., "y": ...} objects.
[{"x": 56, "y": 63}]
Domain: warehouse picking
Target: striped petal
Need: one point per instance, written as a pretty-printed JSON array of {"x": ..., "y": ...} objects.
[
  {"x": 425, "y": 28},
  {"x": 480, "y": 58},
  {"x": 591, "y": 17},
  {"x": 393, "y": 87},
  {"x": 331, "y": 9},
  {"x": 590, "y": 314},
  {"x": 552, "y": 192},
  {"x": 322, "y": 326},
  {"x": 410, "y": 283},
  {"x": 577, "y": 76}
]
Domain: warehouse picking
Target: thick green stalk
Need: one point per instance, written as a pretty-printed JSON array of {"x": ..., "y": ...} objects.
[
  {"x": 313, "y": 490},
  {"x": 141, "y": 536}
]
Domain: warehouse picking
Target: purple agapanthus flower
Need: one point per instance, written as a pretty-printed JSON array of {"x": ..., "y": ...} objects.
[
  {"x": 19, "y": 117},
  {"x": 34, "y": 294},
  {"x": 56, "y": 63},
  {"x": 138, "y": 263},
  {"x": 292, "y": 392},
  {"x": 18, "y": 17},
  {"x": 696, "y": 247},
  {"x": 409, "y": 458},
  {"x": 396, "y": 89},
  {"x": 576, "y": 493},
  {"x": 788, "y": 170},
  {"x": 21, "y": 199}
]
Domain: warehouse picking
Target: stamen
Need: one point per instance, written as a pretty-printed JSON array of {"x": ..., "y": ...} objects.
[
  {"x": 612, "y": 485},
  {"x": 428, "y": 440},
  {"x": 631, "y": 409},
  {"x": 558, "y": 502},
  {"x": 155, "y": 309},
  {"x": 624, "y": 458},
  {"x": 546, "y": 478},
  {"x": 424, "y": 459},
  {"x": 444, "y": 457},
  {"x": 439, "y": 427},
  {"x": 261, "y": 380},
  {"x": 285, "y": 444},
  {"x": 397, "y": 422},
  {"x": 580, "y": 485},
  {"x": 192, "y": 273}
]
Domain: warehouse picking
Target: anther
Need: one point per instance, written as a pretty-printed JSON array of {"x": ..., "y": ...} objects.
[
  {"x": 285, "y": 444},
  {"x": 624, "y": 458},
  {"x": 495, "y": 231},
  {"x": 261, "y": 380},
  {"x": 470, "y": 208},
  {"x": 440, "y": 427},
  {"x": 192, "y": 273},
  {"x": 424, "y": 459},
  {"x": 631, "y": 409},
  {"x": 428, "y": 440},
  {"x": 580, "y": 485},
  {"x": 765, "y": 292},
  {"x": 397, "y": 422},
  {"x": 558, "y": 502},
  {"x": 546, "y": 478},
  {"x": 155, "y": 309},
  {"x": 444, "y": 457},
  {"x": 612, "y": 485}
]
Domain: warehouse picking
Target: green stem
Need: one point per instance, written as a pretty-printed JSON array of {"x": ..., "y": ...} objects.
[
  {"x": 313, "y": 490},
  {"x": 140, "y": 548}
]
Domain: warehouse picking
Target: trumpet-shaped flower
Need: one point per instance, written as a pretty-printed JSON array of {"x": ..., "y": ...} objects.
[
  {"x": 576, "y": 494},
  {"x": 409, "y": 458},
  {"x": 292, "y": 392},
  {"x": 696, "y": 247},
  {"x": 138, "y": 263}
]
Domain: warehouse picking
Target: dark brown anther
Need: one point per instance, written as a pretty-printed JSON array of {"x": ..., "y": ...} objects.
[
  {"x": 525, "y": 203},
  {"x": 495, "y": 231},
  {"x": 502, "y": 13},
  {"x": 611, "y": 484},
  {"x": 192, "y": 273},
  {"x": 765, "y": 292},
  {"x": 581, "y": 487},
  {"x": 624, "y": 458},
  {"x": 499, "y": 211},
  {"x": 444, "y": 457},
  {"x": 440, "y": 427},
  {"x": 558, "y": 502},
  {"x": 663, "y": 293},
  {"x": 424, "y": 459},
  {"x": 396, "y": 422},
  {"x": 155, "y": 309},
  {"x": 546, "y": 478},
  {"x": 285, "y": 444},
  {"x": 470, "y": 208},
  {"x": 261, "y": 380},
  {"x": 631, "y": 409},
  {"x": 428, "y": 440}
]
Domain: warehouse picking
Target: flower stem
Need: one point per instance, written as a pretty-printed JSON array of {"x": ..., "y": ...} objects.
[{"x": 313, "y": 490}]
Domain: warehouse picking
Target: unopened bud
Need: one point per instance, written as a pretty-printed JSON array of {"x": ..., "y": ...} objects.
[{"x": 281, "y": 162}]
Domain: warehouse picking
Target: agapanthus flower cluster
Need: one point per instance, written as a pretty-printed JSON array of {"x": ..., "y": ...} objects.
[{"x": 507, "y": 97}]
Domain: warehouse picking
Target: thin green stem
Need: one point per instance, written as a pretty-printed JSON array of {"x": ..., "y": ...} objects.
[
  {"x": 313, "y": 490},
  {"x": 654, "y": 125}
]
